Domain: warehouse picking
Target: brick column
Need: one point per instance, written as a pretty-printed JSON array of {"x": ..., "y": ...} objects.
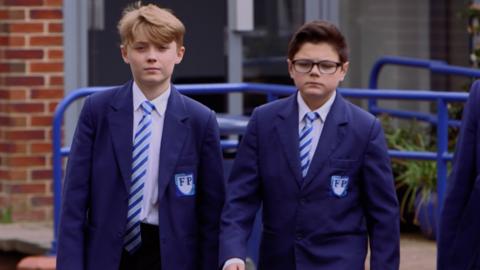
[{"x": 31, "y": 85}]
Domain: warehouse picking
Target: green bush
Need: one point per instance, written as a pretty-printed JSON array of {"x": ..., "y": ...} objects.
[
  {"x": 413, "y": 177},
  {"x": 6, "y": 215}
]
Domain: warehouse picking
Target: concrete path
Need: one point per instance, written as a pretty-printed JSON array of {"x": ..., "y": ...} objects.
[
  {"x": 28, "y": 238},
  {"x": 417, "y": 252}
]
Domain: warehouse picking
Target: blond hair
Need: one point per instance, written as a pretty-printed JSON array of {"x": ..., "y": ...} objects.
[{"x": 159, "y": 25}]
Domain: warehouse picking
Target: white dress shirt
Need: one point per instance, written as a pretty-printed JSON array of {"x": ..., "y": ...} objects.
[
  {"x": 149, "y": 213},
  {"x": 317, "y": 125}
]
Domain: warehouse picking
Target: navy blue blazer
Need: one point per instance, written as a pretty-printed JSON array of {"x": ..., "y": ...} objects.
[
  {"x": 97, "y": 181},
  {"x": 325, "y": 221},
  {"x": 459, "y": 239}
]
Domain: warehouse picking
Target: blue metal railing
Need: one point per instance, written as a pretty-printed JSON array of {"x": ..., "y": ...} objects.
[
  {"x": 434, "y": 66},
  {"x": 273, "y": 91}
]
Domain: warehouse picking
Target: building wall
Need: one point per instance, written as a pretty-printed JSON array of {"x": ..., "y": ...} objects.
[
  {"x": 426, "y": 29},
  {"x": 390, "y": 27},
  {"x": 31, "y": 79},
  {"x": 31, "y": 85},
  {"x": 458, "y": 42}
]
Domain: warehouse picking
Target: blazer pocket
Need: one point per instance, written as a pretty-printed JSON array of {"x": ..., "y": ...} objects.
[
  {"x": 187, "y": 161},
  {"x": 342, "y": 163}
]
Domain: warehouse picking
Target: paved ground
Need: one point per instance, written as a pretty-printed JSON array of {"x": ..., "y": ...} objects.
[
  {"x": 417, "y": 252},
  {"x": 28, "y": 238}
]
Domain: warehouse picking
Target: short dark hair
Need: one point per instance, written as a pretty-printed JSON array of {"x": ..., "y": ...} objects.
[{"x": 318, "y": 32}]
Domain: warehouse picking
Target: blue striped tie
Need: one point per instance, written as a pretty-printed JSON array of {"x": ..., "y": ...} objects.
[
  {"x": 306, "y": 141},
  {"x": 141, "y": 143}
]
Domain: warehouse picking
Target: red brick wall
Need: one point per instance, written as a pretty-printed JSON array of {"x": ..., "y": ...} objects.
[{"x": 31, "y": 85}]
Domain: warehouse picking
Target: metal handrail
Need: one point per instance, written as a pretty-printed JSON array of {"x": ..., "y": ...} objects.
[
  {"x": 434, "y": 66},
  {"x": 273, "y": 91}
]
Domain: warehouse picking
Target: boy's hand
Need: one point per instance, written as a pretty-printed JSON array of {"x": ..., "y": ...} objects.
[{"x": 235, "y": 266}]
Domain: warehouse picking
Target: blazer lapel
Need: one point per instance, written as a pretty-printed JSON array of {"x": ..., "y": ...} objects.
[
  {"x": 175, "y": 131},
  {"x": 287, "y": 129},
  {"x": 332, "y": 134},
  {"x": 120, "y": 119}
]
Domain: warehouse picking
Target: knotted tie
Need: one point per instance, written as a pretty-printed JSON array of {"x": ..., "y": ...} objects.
[
  {"x": 306, "y": 141},
  {"x": 141, "y": 143}
]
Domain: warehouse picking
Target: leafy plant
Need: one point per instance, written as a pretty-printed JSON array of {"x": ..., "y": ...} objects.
[
  {"x": 416, "y": 178},
  {"x": 6, "y": 215}
]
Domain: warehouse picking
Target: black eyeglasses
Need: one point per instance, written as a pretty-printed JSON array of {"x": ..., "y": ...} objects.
[{"x": 325, "y": 67}]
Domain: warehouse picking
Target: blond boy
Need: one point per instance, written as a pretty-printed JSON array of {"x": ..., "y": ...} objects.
[{"x": 144, "y": 181}]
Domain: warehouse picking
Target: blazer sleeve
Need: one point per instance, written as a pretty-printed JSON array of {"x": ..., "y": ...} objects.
[
  {"x": 381, "y": 204},
  {"x": 461, "y": 180},
  {"x": 243, "y": 197},
  {"x": 211, "y": 195},
  {"x": 70, "y": 251}
]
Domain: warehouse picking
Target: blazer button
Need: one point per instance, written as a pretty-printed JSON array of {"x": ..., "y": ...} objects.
[
  {"x": 303, "y": 201},
  {"x": 299, "y": 236}
]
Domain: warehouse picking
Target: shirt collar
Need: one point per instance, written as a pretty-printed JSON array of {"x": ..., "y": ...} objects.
[
  {"x": 322, "y": 111},
  {"x": 159, "y": 102}
]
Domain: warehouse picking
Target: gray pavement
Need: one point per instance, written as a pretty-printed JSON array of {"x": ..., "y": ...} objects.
[
  {"x": 28, "y": 238},
  {"x": 417, "y": 252}
]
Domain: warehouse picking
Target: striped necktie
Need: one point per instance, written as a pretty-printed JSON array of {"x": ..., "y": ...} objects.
[
  {"x": 141, "y": 143},
  {"x": 306, "y": 141}
]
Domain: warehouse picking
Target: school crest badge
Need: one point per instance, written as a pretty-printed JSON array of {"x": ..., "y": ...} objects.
[
  {"x": 185, "y": 184},
  {"x": 339, "y": 185}
]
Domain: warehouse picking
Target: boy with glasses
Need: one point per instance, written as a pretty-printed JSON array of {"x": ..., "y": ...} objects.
[{"x": 319, "y": 167}]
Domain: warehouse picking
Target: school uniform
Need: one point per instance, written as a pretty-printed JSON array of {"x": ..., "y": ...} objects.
[
  {"x": 327, "y": 218},
  {"x": 99, "y": 174},
  {"x": 459, "y": 236}
]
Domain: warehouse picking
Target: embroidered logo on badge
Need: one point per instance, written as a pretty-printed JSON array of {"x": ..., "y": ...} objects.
[
  {"x": 185, "y": 184},
  {"x": 339, "y": 185}
]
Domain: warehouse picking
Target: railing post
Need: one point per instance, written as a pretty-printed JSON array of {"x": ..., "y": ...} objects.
[
  {"x": 274, "y": 91},
  {"x": 57, "y": 155},
  {"x": 57, "y": 169},
  {"x": 373, "y": 83}
]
